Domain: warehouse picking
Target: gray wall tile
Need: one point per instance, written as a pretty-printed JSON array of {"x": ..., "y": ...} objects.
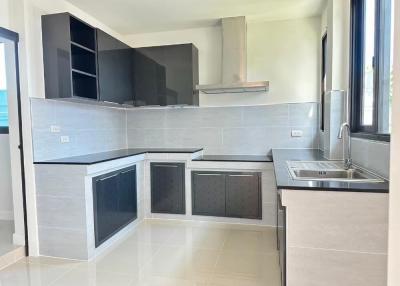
[
  {"x": 225, "y": 130},
  {"x": 90, "y": 128},
  {"x": 378, "y": 155},
  {"x": 219, "y": 130}
]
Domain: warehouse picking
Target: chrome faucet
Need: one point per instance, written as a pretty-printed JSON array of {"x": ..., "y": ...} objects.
[{"x": 348, "y": 162}]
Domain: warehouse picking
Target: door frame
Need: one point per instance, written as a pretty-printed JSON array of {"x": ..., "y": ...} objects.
[{"x": 14, "y": 37}]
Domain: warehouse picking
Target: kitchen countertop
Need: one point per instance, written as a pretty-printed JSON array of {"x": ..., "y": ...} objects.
[
  {"x": 113, "y": 155},
  {"x": 234, "y": 158},
  {"x": 285, "y": 181}
]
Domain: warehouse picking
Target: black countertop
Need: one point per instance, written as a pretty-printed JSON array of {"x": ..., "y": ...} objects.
[
  {"x": 285, "y": 181},
  {"x": 113, "y": 155},
  {"x": 234, "y": 158}
]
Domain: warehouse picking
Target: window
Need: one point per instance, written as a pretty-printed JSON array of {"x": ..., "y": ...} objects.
[
  {"x": 371, "y": 68},
  {"x": 3, "y": 92},
  {"x": 324, "y": 63}
]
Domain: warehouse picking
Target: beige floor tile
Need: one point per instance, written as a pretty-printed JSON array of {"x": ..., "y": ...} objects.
[
  {"x": 238, "y": 281},
  {"x": 182, "y": 263},
  {"x": 128, "y": 258},
  {"x": 87, "y": 275},
  {"x": 251, "y": 241},
  {"x": 153, "y": 233},
  {"x": 24, "y": 274},
  {"x": 158, "y": 254},
  {"x": 165, "y": 281},
  {"x": 249, "y": 265}
]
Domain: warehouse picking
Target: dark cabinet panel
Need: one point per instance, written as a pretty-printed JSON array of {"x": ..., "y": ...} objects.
[
  {"x": 168, "y": 188},
  {"x": 127, "y": 196},
  {"x": 281, "y": 238},
  {"x": 227, "y": 194},
  {"x": 208, "y": 191},
  {"x": 115, "y": 202},
  {"x": 115, "y": 65},
  {"x": 166, "y": 75},
  {"x": 243, "y": 196},
  {"x": 69, "y": 57}
]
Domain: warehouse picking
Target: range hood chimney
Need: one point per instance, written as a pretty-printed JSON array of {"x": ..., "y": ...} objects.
[{"x": 234, "y": 61}]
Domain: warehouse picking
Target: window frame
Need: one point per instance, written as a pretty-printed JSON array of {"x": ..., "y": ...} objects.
[
  {"x": 324, "y": 53},
  {"x": 4, "y": 130},
  {"x": 357, "y": 70}
]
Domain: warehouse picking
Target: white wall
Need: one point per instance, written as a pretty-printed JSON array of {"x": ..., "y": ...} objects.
[
  {"x": 394, "y": 196},
  {"x": 6, "y": 203},
  {"x": 278, "y": 51}
]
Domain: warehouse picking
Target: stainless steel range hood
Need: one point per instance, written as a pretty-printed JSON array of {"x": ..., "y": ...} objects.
[{"x": 234, "y": 61}]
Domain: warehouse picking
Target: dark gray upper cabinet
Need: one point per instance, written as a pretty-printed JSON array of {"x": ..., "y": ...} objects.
[
  {"x": 208, "y": 191},
  {"x": 227, "y": 194},
  {"x": 168, "y": 188},
  {"x": 69, "y": 56},
  {"x": 115, "y": 66},
  {"x": 166, "y": 75},
  {"x": 243, "y": 195},
  {"x": 82, "y": 62}
]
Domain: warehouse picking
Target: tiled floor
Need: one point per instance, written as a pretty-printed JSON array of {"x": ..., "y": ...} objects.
[{"x": 164, "y": 254}]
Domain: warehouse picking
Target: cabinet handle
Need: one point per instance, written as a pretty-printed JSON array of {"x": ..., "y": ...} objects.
[
  {"x": 209, "y": 174},
  {"x": 127, "y": 171},
  {"x": 108, "y": 177},
  {"x": 241, "y": 175},
  {"x": 168, "y": 166}
]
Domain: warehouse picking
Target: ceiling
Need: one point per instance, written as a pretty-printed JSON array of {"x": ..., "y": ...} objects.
[{"x": 144, "y": 16}]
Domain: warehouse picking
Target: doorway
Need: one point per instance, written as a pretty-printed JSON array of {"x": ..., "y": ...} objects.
[{"x": 13, "y": 229}]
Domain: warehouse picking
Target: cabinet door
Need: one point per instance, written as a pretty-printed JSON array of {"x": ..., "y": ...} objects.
[
  {"x": 106, "y": 206},
  {"x": 281, "y": 235},
  {"x": 166, "y": 75},
  {"x": 243, "y": 195},
  {"x": 114, "y": 202},
  {"x": 168, "y": 188},
  {"x": 127, "y": 196},
  {"x": 115, "y": 65},
  {"x": 208, "y": 193}
]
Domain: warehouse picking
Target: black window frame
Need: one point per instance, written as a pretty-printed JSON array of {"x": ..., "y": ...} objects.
[
  {"x": 357, "y": 68},
  {"x": 4, "y": 130},
  {"x": 324, "y": 59}
]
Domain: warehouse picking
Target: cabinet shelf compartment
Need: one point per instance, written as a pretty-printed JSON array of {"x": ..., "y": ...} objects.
[
  {"x": 83, "y": 60},
  {"x": 84, "y": 86},
  {"x": 82, "y": 34}
]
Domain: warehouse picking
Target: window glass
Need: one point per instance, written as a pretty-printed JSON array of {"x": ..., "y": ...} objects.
[
  {"x": 3, "y": 89},
  {"x": 389, "y": 127},
  {"x": 369, "y": 53}
]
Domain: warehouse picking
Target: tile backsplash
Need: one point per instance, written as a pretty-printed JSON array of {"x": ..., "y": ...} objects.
[
  {"x": 90, "y": 129},
  {"x": 225, "y": 130},
  {"x": 377, "y": 158},
  {"x": 219, "y": 130}
]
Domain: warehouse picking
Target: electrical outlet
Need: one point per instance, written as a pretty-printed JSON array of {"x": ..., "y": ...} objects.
[
  {"x": 297, "y": 133},
  {"x": 64, "y": 139},
  {"x": 55, "y": 129}
]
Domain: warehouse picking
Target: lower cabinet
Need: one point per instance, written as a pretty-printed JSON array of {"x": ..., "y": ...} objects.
[
  {"x": 208, "y": 194},
  {"x": 227, "y": 194},
  {"x": 168, "y": 188},
  {"x": 115, "y": 202},
  {"x": 281, "y": 238}
]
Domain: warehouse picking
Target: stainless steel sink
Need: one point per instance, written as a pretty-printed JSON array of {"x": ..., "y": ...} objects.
[{"x": 330, "y": 171}]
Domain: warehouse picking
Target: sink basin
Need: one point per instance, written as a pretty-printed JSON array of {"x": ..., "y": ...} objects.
[{"x": 330, "y": 171}]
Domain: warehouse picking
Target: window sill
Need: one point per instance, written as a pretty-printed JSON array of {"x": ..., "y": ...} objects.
[{"x": 370, "y": 136}]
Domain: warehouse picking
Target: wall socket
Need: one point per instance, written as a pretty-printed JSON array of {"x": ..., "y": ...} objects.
[
  {"x": 55, "y": 129},
  {"x": 297, "y": 133},
  {"x": 64, "y": 139}
]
